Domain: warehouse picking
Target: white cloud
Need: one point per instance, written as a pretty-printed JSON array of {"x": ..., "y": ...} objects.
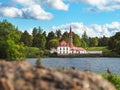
[
  {"x": 107, "y": 5},
  {"x": 92, "y": 30},
  {"x": 31, "y": 8},
  {"x": 24, "y": 2},
  {"x": 36, "y": 12},
  {"x": 10, "y": 12},
  {"x": 57, "y": 4}
]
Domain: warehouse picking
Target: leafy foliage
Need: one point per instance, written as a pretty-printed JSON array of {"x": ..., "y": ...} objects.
[
  {"x": 114, "y": 43},
  {"x": 76, "y": 40},
  {"x": 26, "y": 38},
  {"x": 53, "y": 43},
  {"x": 85, "y": 38},
  {"x": 39, "y": 38},
  {"x": 38, "y": 62},
  {"x": 83, "y": 44},
  {"x": 93, "y": 42},
  {"x": 58, "y": 33},
  {"x": 103, "y": 41},
  {"x": 32, "y": 52},
  {"x": 65, "y": 36},
  {"x": 10, "y": 47},
  {"x": 15, "y": 51}
]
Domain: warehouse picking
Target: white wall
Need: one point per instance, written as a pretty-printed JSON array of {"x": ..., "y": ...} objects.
[{"x": 63, "y": 50}]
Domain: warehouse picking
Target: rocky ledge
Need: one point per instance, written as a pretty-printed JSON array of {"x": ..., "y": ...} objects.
[{"x": 23, "y": 76}]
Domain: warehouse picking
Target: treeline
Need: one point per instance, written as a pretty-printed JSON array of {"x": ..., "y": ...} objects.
[
  {"x": 41, "y": 40},
  {"x": 13, "y": 42}
]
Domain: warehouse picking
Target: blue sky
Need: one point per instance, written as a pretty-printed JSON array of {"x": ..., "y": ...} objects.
[{"x": 96, "y": 17}]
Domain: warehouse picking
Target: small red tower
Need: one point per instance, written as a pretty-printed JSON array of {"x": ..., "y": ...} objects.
[
  {"x": 70, "y": 33},
  {"x": 70, "y": 38}
]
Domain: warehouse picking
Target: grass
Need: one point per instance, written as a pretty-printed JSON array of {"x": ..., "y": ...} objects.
[
  {"x": 97, "y": 49},
  {"x": 114, "y": 79},
  {"x": 106, "y": 51}
]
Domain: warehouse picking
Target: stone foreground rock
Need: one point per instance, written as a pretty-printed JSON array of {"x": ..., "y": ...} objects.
[{"x": 23, "y": 76}]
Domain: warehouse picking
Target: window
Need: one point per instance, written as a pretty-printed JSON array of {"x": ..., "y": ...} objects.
[{"x": 66, "y": 48}]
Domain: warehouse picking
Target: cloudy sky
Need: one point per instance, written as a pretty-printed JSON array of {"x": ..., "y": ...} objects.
[{"x": 96, "y": 17}]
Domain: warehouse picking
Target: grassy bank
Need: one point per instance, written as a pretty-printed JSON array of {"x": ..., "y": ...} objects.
[
  {"x": 104, "y": 49},
  {"x": 114, "y": 79}
]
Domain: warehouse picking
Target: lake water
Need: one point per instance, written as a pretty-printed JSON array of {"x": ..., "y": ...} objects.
[{"x": 93, "y": 64}]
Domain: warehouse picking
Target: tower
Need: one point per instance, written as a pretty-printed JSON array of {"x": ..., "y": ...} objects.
[{"x": 70, "y": 38}]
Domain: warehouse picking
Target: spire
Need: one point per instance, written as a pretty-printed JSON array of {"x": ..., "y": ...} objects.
[
  {"x": 70, "y": 38},
  {"x": 70, "y": 33}
]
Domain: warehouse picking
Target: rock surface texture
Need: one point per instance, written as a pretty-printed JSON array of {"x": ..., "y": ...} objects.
[{"x": 23, "y": 76}]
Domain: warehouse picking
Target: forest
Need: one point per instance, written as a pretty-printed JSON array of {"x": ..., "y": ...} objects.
[{"x": 16, "y": 45}]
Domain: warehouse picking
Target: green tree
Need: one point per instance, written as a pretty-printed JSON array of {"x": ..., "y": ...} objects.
[
  {"x": 85, "y": 38},
  {"x": 39, "y": 38},
  {"x": 114, "y": 43},
  {"x": 15, "y": 51},
  {"x": 42, "y": 41},
  {"x": 9, "y": 35},
  {"x": 44, "y": 34},
  {"x": 93, "y": 42},
  {"x": 39, "y": 41},
  {"x": 83, "y": 44},
  {"x": 103, "y": 41},
  {"x": 26, "y": 38},
  {"x": 51, "y": 35},
  {"x": 53, "y": 43},
  {"x": 8, "y": 31},
  {"x": 34, "y": 32},
  {"x": 58, "y": 33},
  {"x": 76, "y": 40},
  {"x": 65, "y": 36}
]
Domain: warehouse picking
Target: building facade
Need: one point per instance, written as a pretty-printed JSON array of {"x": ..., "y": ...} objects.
[
  {"x": 65, "y": 48},
  {"x": 68, "y": 48}
]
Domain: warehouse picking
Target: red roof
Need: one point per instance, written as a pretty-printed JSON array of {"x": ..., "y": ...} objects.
[{"x": 63, "y": 43}]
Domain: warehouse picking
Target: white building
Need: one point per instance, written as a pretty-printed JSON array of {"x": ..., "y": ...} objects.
[{"x": 65, "y": 48}]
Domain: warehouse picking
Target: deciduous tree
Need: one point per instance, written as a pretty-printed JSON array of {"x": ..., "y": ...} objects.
[{"x": 10, "y": 47}]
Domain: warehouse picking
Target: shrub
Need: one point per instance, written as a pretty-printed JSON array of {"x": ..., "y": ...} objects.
[
  {"x": 38, "y": 62},
  {"x": 32, "y": 52}
]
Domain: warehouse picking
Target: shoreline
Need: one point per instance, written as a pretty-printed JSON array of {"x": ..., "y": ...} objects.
[{"x": 78, "y": 57}]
